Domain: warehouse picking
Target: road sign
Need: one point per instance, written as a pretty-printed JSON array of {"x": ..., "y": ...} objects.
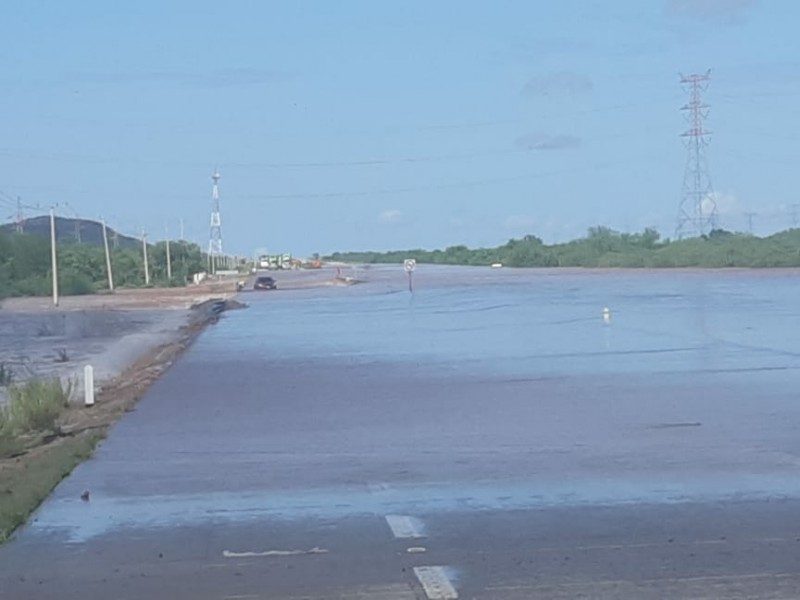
[{"x": 409, "y": 265}]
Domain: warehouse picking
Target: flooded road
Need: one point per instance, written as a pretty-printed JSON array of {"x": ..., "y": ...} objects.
[{"x": 491, "y": 435}]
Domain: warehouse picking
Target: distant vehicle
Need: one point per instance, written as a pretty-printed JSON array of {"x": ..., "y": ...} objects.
[
  {"x": 277, "y": 262},
  {"x": 265, "y": 283}
]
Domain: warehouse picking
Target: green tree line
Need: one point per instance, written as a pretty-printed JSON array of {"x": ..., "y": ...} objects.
[
  {"x": 25, "y": 268},
  {"x": 605, "y": 248}
]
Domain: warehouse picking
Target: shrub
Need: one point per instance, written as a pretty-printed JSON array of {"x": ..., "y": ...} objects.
[
  {"x": 6, "y": 375},
  {"x": 76, "y": 284},
  {"x": 34, "y": 406}
]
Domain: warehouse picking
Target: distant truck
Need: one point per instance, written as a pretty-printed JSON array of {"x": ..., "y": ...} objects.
[{"x": 276, "y": 262}]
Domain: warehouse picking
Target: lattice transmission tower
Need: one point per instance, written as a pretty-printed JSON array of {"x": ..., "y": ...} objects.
[
  {"x": 215, "y": 239},
  {"x": 697, "y": 214},
  {"x": 20, "y": 216}
]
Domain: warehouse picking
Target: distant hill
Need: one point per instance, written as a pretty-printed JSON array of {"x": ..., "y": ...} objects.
[{"x": 74, "y": 230}]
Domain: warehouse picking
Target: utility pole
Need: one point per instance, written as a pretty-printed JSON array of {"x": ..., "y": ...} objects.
[
  {"x": 215, "y": 237},
  {"x": 697, "y": 213},
  {"x": 108, "y": 258},
  {"x": 144, "y": 253},
  {"x": 794, "y": 214},
  {"x": 20, "y": 216},
  {"x": 115, "y": 239},
  {"x": 182, "y": 236},
  {"x": 169, "y": 259},
  {"x": 750, "y": 216},
  {"x": 53, "y": 255}
]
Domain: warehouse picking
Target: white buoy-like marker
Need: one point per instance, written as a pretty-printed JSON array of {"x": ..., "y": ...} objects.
[
  {"x": 88, "y": 385},
  {"x": 606, "y": 315}
]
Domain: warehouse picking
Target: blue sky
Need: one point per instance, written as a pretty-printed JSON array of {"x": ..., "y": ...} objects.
[{"x": 395, "y": 124}]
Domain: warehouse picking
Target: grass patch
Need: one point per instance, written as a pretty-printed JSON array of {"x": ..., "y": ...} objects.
[
  {"x": 26, "y": 481},
  {"x": 33, "y": 406},
  {"x": 6, "y": 375},
  {"x": 11, "y": 445}
]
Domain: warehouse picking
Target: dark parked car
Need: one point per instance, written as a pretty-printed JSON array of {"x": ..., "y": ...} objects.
[{"x": 265, "y": 283}]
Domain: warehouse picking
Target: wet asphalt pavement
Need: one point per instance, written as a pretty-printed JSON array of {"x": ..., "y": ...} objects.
[{"x": 245, "y": 475}]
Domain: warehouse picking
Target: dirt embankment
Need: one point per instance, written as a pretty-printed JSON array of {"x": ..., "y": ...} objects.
[
  {"x": 130, "y": 337},
  {"x": 108, "y": 331},
  {"x": 178, "y": 297},
  {"x": 41, "y": 461},
  {"x": 120, "y": 394}
]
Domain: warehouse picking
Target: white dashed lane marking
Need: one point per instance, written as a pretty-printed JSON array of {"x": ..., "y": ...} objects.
[
  {"x": 405, "y": 527},
  {"x": 436, "y": 584},
  {"x": 229, "y": 554}
]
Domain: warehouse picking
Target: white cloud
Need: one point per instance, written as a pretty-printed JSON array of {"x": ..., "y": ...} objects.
[
  {"x": 726, "y": 203},
  {"x": 390, "y": 216}
]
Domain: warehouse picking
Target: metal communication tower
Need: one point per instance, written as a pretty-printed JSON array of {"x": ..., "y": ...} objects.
[
  {"x": 215, "y": 239},
  {"x": 697, "y": 214}
]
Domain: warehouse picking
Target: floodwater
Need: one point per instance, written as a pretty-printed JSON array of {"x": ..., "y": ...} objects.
[
  {"x": 533, "y": 323},
  {"x": 480, "y": 384},
  {"x": 497, "y": 411}
]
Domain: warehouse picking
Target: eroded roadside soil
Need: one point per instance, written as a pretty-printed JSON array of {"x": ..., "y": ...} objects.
[{"x": 39, "y": 463}]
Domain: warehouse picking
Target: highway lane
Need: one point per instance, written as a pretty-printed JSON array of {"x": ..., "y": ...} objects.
[{"x": 731, "y": 550}]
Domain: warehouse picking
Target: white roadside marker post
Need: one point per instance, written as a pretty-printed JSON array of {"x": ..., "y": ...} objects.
[{"x": 88, "y": 385}]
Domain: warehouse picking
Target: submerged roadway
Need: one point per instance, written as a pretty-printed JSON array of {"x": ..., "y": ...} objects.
[{"x": 245, "y": 477}]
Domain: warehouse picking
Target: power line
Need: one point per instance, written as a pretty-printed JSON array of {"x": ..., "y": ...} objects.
[
  {"x": 11, "y": 201},
  {"x": 424, "y": 188},
  {"x": 77, "y": 223},
  {"x": 747, "y": 96},
  {"x": 266, "y": 164},
  {"x": 437, "y": 187},
  {"x": 363, "y": 162},
  {"x": 378, "y": 161},
  {"x": 7, "y": 199},
  {"x": 281, "y": 165}
]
